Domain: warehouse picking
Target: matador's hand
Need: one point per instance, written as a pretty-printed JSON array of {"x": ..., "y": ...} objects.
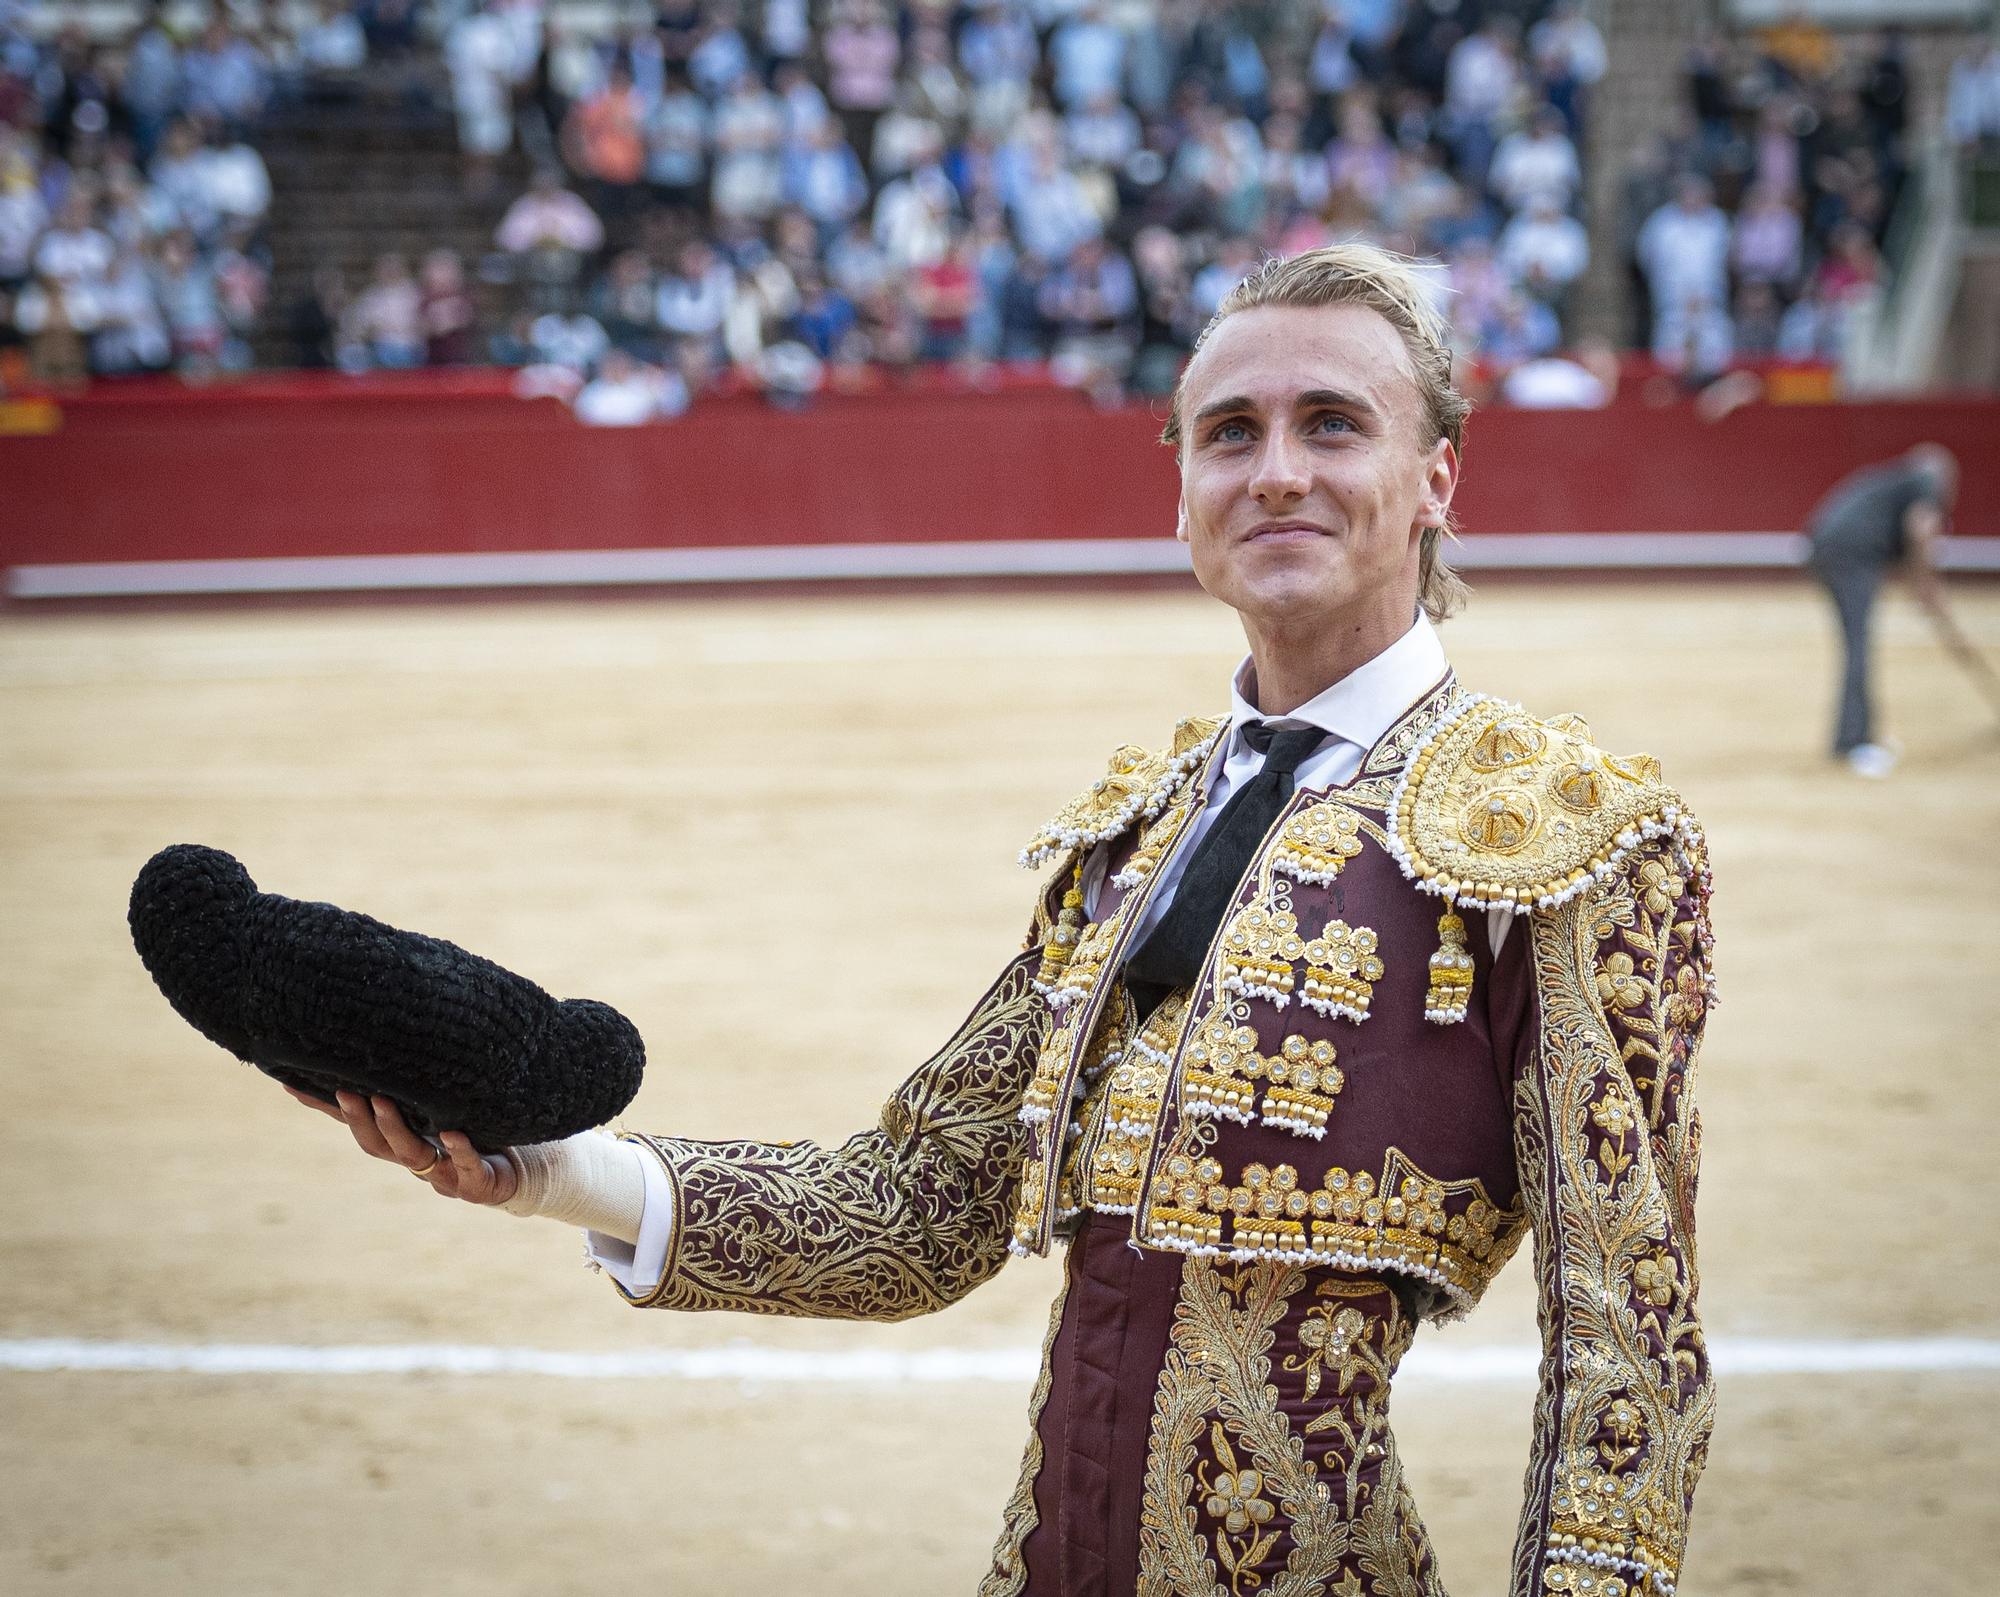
[{"x": 461, "y": 1171}]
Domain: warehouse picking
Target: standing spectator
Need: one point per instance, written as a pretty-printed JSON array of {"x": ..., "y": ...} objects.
[
  {"x": 446, "y": 311},
  {"x": 914, "y": 217},
  {"x": 1535, "y": 161},
  {"x": 1684, "y": 250},
  {"x": 862, "y": 55},
  {"x": 549, "y": 231},
  {"x": 385, "y": 326},
  {"x": 604, "y": 141},
  {"x": 23, "y": 212},
  {"x": 1569, "y": 58},
  {"x": 482, "y": 54},
  {"x": 181, "y": 172}
]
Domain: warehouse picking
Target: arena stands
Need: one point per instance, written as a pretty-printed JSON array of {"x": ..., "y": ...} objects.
[{"x": 766, "y": 193}]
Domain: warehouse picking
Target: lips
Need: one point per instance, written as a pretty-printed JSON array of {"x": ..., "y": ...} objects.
[{"x": 1274, "y": 531}]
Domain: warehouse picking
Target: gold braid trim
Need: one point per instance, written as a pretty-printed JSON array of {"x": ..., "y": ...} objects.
[
  {"x": 1606, "y": 1142},
  {"x": 897, "y": 1221},
  {"x": 1009, "y": 1575},
  {"x": 1137, "y": 785}
]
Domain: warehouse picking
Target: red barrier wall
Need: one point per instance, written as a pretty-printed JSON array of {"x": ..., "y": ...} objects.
[{"x": 334, "y": 467}]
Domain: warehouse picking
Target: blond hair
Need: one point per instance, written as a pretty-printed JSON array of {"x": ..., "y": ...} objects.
[{"x": 1386, "y": 283}]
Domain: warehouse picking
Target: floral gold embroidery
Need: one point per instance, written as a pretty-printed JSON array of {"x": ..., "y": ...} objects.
[
  {"x": 1314, "y": 844},
  {"x": 1341, "y": 971}
]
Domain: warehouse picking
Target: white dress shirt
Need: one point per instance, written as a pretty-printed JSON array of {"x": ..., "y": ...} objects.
[{"x": 1354, "y": 713}]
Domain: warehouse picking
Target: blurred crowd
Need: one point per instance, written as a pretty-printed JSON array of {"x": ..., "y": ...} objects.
[
  {"x": 1757, "y": 222},
  {"x": 794, "y": 193}
]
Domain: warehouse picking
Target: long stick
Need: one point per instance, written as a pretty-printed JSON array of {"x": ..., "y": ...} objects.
[{"x": 1966, "y": 653}]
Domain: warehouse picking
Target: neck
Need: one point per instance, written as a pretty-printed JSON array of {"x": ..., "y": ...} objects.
[{"x": 1295, "y": 664}]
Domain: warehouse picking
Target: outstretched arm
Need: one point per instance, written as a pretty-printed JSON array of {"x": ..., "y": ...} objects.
[
  {"x": 1607, "y": 1141},
  {"x": 899, "y": 1220}
]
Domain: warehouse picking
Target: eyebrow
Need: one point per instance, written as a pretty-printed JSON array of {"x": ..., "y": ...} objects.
[{"x": 1308, "y": 399}]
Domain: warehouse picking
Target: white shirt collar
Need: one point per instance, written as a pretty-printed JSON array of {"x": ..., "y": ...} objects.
[{"x": 1366, "y": 702}]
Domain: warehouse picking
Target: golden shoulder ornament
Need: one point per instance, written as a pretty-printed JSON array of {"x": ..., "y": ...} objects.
[
  {"x": 1501, "y": 809},
  {"x": 1138, "y": 785}
]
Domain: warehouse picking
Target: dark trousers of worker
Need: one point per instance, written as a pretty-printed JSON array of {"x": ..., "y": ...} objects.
[{"x": 1853, "y": 588}]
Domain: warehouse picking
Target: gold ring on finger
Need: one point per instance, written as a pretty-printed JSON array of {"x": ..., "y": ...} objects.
[{"x": 437, "y": 1158}]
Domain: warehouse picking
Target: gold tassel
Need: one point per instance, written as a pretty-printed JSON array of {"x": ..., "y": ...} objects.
[
  {"x": 1451, "y": 974},
  {"x": 1062, "y": 940}
]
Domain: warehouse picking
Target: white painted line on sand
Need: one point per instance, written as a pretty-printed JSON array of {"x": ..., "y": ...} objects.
[{"x": 746, "y": 1363}]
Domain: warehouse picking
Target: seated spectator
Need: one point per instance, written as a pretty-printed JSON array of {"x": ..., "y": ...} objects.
[
  {"x": 1587, "y": 380},
  {"x": 625, "y": 303},
  {"x": 1544, "y": 250},
  {"x": 604, "y": 141},
  {"x": 385, "y": 323},
  {"x": 569, "y": 342},
  {"x": 1759, "y": 316},
  {"x": 749, "y": 134},
  {"x": 152, "y": 85},
  {"x": 73, "y": 252},
  {"x": 823, "y": 178},
  {"x": 719, "y": 56},
  {"x": 314, "y": 321},
  {"x": 915, "y": 217},
  {"x": 225, "y": 78},
  {"x": 677, "y": 130},
  {"x": 1524, "y": 329},
  {"x": 862, "y": 52},
  {"x": 695, "y": 297},
  {"x": 1088, "y": 54},
  {"x": 55, "y": 319},
  {"x": 549, "y": 231},
  {"x": 1091, "y": 303},
  {"x": 239, "y": 187},
  {"x": 1102, "y": 131},
  {"x": 181, "y": 173},
  {"x": 1972, "y": 98},
  {"x": 1482, "y": 79},
  {"x": 931, "y": 82},
  {"x": 131, "y": 333},
  {"x": 1538, "y": 160},
  {"x": 997, "y": 49},
  {"x": 1768, "y": 240},
  {"x": 823, "y": 319},
  {"x": 944, "y": 292},
  {"x": 805, "y": 107},
  {"x": 242, "y": 282},
  {"x": 135, "y": 213},
  {"x": 186, "y": 288},
  {"x": 1361, "y": 159},
  {"x": 333, "y": 42},
  {"x": 1693, "y": 337},
  {"x": 449, "y": 319},
  {"x": 627, "y": 393}
]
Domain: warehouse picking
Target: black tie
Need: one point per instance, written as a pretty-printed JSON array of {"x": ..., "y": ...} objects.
[{"x": 1171, "y": 955}]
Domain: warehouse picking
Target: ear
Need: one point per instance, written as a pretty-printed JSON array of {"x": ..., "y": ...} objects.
[
  {"x": 1180, "y": 521},
  {"x": 1440, "y": 483}
]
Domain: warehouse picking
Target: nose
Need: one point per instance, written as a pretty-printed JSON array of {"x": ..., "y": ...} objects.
[{"x": 1280, "y": 477}]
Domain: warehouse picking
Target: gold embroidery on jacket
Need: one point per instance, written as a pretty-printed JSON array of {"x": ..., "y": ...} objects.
[
  {"x": 1008, "y": 1575},
  {"x": 1230, "y": 1478},
  {"x": 898, "y": 1220},
  {"x": 1626, "y": 1405}
]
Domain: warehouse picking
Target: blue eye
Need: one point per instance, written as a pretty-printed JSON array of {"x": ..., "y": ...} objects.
[
  {"x": 1221, "y": 434},
  {"x": 1337, "y": 419}
]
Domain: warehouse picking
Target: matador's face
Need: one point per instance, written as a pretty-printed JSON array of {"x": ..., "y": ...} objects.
[{"x": 1305, "y": 480}]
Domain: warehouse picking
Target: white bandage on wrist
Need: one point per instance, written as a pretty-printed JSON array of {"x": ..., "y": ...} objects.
[{"x": 592, "y": 1179}]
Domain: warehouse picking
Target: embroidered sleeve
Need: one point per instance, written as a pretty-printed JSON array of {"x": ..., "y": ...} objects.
[
  {"x": 1607, "y": 1141},
  {"x": 900, "y": 1220}
]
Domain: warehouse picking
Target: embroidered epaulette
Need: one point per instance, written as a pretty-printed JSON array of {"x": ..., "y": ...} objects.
[
  {"x": 1138, "y": 785},
  {"x": 1500, "y": 809}
]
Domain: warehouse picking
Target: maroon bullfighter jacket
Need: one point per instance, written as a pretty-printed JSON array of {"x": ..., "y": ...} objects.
[{"x": 1343, "y": 1129}]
